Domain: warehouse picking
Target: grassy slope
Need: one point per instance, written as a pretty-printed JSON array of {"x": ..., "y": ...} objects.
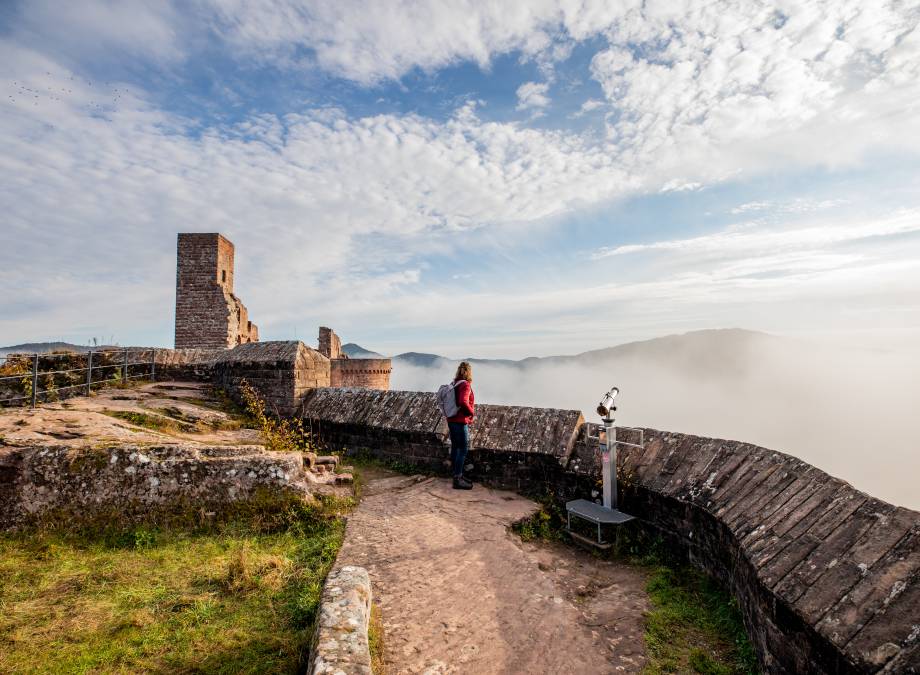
[{"x": 236, "y": 598}]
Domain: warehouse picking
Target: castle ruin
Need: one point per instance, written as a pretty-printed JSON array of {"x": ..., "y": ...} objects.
[
  {"x": 210, "y": 317},
  {"x": 208, "y": 314}
]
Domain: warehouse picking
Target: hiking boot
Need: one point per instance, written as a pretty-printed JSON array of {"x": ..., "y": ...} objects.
[{"x": 462, "y": 484}]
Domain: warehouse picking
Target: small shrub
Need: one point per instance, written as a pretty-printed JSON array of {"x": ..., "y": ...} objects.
[
  {"x": 144, "y": 538},
  {"x": 280, "y": 435}
]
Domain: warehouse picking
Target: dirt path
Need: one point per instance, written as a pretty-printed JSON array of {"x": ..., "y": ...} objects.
[{"x": 458, "y": 593}]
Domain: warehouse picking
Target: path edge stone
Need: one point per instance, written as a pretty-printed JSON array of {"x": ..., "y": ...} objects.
[{"x": 340, "y": 644}]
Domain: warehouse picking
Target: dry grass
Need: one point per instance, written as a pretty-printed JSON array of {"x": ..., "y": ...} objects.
[{"x": 377, "y": 644}]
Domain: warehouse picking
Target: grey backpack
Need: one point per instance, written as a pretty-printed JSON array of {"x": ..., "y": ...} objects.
[{"x": 447, "y": 399}]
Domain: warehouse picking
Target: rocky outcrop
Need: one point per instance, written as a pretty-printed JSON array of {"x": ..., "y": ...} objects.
[{"x": 341, "y": 642}]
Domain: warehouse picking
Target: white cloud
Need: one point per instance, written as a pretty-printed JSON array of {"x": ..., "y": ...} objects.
[
  {"x": 710, "y": 88},
  {"x": 299, "y": 195},
  {"x": 532, "y": 95},
  {"x": 369, "y": 42},
  {"x": 796, "y": 206},
  {"x": 707, "y": 89},
  {"x": 94, "y": 29},
  {"x": 324, "y": 205},
  {"x": 590, "y": 105},
  {"x": 749, "y": 240}
]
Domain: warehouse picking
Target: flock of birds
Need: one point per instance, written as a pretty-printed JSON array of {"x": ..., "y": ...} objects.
[{"x": 25, "y": 94}]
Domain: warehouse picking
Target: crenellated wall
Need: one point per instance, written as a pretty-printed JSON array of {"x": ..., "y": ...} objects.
[
  {"x": 826, "y": 576},
  {"x": 364, "y": 373}
]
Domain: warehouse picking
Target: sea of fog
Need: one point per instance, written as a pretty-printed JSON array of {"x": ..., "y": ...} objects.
[{"x": 851, "y": 413}]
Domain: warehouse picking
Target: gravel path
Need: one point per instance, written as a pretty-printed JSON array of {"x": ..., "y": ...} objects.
[{"x": 459, "y": 593}]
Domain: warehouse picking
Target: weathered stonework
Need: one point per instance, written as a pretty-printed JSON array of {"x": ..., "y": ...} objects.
[
  {"x": 347, "y": 372},
  {"x": 512, "y": 447},
  {"x": 330, "y": 345},
  {"x": 40, "y": 480},
  {"x": 283, "y": 373},
  {"x": 828, "y": 578},
  {"x": 364, "y": 373},
  {"x": 208, "y": 314},
  {"x": 341, "y": 643}
]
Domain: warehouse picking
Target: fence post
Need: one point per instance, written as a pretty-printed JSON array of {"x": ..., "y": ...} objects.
[
  {"x": 153, "y": 366},
  {"x": 34, "y": 379},
  {"x": 89, "y": 372},
  {"x": 125, "y": 378}
]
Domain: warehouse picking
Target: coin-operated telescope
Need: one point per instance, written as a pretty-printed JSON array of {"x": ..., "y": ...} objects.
[{"x": 607, "y": 512}]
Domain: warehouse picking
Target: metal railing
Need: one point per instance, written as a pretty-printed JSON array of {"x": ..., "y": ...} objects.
[{"x": 115, "y": 364}]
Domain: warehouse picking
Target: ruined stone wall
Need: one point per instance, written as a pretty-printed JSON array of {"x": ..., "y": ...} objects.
[
  {"x": 366, "y": 373},
  {"x": 330, "y": 345},
  {"x": 208, "y": 314},
  {"x": 828, "y": 578},
  {"x": 281, "y": 372},
  {"x": 134, "y": 480},
  {"x": 346, "y": 372}
]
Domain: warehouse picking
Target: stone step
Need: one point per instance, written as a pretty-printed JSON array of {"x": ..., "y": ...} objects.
[{"x": 327, "y": 459}]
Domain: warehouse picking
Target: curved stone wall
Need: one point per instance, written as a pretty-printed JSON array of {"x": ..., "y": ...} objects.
[
  {"x": 365, "y": 373},
  {"x": 826, "y": 576}
]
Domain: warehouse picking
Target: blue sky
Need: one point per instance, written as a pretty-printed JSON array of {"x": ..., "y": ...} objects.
[{"x": 483, "y": 178}]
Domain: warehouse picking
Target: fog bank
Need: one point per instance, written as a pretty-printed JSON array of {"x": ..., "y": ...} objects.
[{"x": 851, "y": 413}]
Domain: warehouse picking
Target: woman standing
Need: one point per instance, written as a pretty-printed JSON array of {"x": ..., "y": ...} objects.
[{"x": 459, "y": 424}]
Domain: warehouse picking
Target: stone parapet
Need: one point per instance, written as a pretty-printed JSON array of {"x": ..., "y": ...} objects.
[
  {"x": 827, "y": 577},
  {"x": 512, "y": 446}
]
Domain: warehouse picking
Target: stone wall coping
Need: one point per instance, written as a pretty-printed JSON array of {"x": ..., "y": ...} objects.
[
  {"x": 500, "y": 428},
  {"x": 263, "y": 352}
]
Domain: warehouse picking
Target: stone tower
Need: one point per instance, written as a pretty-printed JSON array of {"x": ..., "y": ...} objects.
[{"x": 208, "y": 314}]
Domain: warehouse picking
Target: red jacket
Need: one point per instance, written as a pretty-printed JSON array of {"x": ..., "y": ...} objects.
[{"x": 464, "y": 393}]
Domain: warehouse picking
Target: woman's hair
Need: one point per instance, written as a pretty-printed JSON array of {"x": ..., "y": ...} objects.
[{"x": 464, "y": 371}]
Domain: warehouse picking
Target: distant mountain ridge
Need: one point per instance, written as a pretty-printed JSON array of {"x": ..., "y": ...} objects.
[
  {"x": 358, "y": 352},
  {"x": 707, "y": 348},
  {"x": 42, "y": 347}
]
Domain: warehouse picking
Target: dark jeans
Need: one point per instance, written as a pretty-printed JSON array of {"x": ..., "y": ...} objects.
[{"x": 459, "y": 446}]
